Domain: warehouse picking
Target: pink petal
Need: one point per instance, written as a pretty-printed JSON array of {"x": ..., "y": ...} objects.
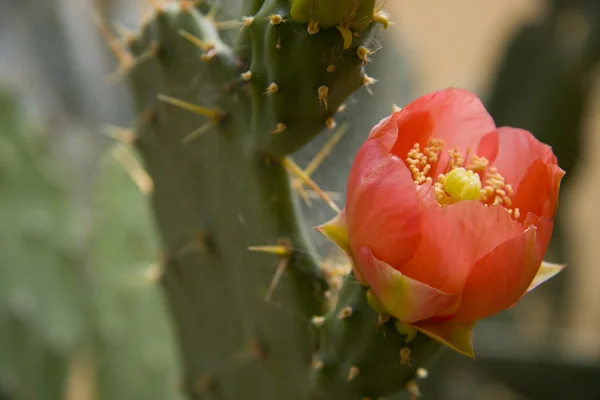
[
  {"x": 544, "y": 233},
  {"x": 538, "y": 191},
  {"x": 453, "y": 238},
  {"x": 454, "y": 115},
  {"x": 403, "y": 298},
  {"x": 456, "y": 335},
  {"x": 517, "y": 150},
  {"x": 500, "y": 278},
  {"x": 382, "y": 208}
]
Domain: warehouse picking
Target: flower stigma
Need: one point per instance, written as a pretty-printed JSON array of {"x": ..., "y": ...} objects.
[{"x": 462, "y": 184}]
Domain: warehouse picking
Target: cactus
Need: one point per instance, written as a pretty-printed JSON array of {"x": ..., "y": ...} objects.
[
  {"x": 42, "y": 315},
  {"x": 254, "y": 309},
  {"x": 58, "y": 315},
  {"x": 131, "y": 342}
]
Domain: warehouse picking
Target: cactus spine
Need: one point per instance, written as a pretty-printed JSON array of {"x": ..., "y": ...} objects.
[{"x": 217, "y": 124}]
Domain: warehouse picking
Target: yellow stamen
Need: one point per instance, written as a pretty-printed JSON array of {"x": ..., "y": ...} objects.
[{"x": 461, "y": 179}]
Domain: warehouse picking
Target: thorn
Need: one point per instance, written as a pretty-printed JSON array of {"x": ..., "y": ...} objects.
[
  {"x": 296, "y": 170},
  {"x": 331, "y": 68},
  {"x": 313, "y": 27},
  {"x": 382, "y": 319},
  {"x": 342, "y": 108},
  {"x": 246, "y": 22},
  {"x": 209, "y": 55},
  {"x": 253, "y": 350},
  {"x": 205, "y": 383},
  {"x": 346, "y": 35},
  {"x": 153, "y": 274},
  {"x": 258, "y": 349},
  {"x": 276, "y": 278},
  {"x": 422, "y": 373},
  {"x": 214, "y": 114},
  {"x": 197, "y": 243},
  {"x": 284, "y": 251},
  {"x": 204, "y": 46},
  {"x": 345, "y": 313},
  {"x": 149, "y": 54},
  {"x": 302, "y": 192},
  {"x": 280, "y": 128},
  {"x": 380, "y": 17},
  {"x": 323, "y": 92},
  {"x": 278, "y": 250},
  {"x": 380, "y": 5},
  {"x": 278, "y": 45},
  {"x": 123, "y": 135},
  {"x": 326, "y": 149},
  {"x": 246, "y": 76},
  {"x": 311, "y": 194},
  {"x": 136, "y": 172},
  {"x": 367, "y": 82},
  {"x": 413, "y": 389},
  {"x": 126, "y": 34},
  {"x": 275, "y": 19},
  {"x": 353, "y": 373},
  {"x": 122, "y": 55},
  {"x": 395, "y": 108},
  {"x": 317, "y": 364},
  {"x": 272, "y": 88},
  {"x": 190, "y": 137},
  {"x": 212, "y": 12},
  {"x": 318, "y": 321},
  {"x": 330, "y": 124},
  {"x": 223, "y": 25},
  {"x": 188, "y": 5},
  {"x": 405, "y": 356},
  {"x": 364, "y": 53}
]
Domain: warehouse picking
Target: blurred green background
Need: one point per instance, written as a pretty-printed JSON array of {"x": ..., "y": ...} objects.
[{"x": 81, "y": 315}]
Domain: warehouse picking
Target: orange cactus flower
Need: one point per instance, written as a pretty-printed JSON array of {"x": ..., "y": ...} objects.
[{"x": 448, "y": 217}]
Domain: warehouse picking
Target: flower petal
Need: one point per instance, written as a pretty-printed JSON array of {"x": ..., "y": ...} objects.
[
  {"x": 336, "y": 230},
  {"x": 517, "y": 150},
  {"x": 453, "y": 238},
  {"x": 454, "y": 115},
  {"x": 404, "y": 298},
  {"x": 547, "y": 270},
  {"x": 500, "y": 278},
  {"x": 382, "y": 207},
  {"x": 538, "y": 191},
  {"x": 456, "y": 335},
  {"x": 544, "y": 233}
]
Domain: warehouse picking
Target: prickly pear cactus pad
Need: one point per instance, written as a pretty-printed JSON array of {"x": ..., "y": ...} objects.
[
  {"x": 42, "y": 315},
  {"x": 252, "y": 304}
]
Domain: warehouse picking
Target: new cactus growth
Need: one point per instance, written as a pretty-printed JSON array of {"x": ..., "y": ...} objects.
[{"x": 217, "y": 124}]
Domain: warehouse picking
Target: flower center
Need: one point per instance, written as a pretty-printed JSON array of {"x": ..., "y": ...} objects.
[
  {"x": 460, "y": 180},
  {"x": 462, "y": 184}
]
